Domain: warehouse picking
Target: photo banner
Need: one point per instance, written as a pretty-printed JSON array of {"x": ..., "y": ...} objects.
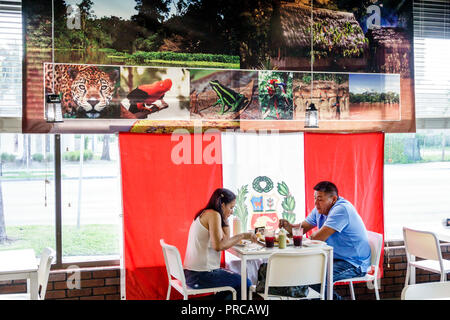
[
  {"x": 157, "y": 99},
  {"x": 248, "y": 67},
  {"x": 354, "y": 162}
]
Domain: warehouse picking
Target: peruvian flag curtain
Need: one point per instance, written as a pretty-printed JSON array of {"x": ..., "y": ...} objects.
[{"x": 166, "y": 179}]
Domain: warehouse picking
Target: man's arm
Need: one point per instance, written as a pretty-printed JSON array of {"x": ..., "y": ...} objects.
[
  {"x": 323, "y": 233},
  {"x": 288, "y": 227},
  {"x": 306, "y": 226}
]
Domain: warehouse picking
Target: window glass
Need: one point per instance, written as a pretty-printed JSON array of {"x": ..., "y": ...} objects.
[
  {"x": 416, "y": 180},
  {"x": 27, "y": 192},
  {"x": 10, "y": 59},
  {"x": 91, "y": 204}
]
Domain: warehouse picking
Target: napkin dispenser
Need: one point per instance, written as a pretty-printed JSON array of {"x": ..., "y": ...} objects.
[{"x": 53, "y": 111}]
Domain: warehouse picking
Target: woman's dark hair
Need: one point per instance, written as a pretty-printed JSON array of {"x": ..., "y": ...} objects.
[
  {"x": 327, "y": 187},
  {"x": 220, "y": 196}
]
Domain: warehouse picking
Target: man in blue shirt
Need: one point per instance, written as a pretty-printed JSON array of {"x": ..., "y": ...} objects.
[{"x": 341, "y": 227}]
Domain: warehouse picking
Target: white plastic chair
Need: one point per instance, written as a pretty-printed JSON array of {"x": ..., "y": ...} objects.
[
  {"x": 47, "y": 256},
  {"x": 427, "y": 291},
  {"x": 175, "y": 269},
  {"x": 376, "y": 247},
  {"x": 425, "y": 245},
  {"x": 295, "y": 269}
]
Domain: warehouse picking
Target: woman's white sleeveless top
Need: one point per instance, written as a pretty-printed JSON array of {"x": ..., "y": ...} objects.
[{"x": 200, "y": 256}]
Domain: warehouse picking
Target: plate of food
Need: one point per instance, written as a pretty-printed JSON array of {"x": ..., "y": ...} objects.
[
  {"x": 243, "y": 243},
  {"x": 262, "y": 240}
]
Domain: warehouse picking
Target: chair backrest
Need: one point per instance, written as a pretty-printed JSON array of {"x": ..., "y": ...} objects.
[
  {"x": 376, "y": 247},
  {"x": 422, "y": 244},
  {"x": 173, "y": 262},
  {"x": 47, "y": 256},
  {"x": 425, "y": 291},
  {"x": 296, "y": 269}
]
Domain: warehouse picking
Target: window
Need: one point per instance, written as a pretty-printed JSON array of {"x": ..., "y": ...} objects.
[
  {"x": 417, "y": 165},
  {"x": 10, "y": 59},
  {"x": 27, "y": 184},
  {"x": 432, "y": 70},
  {"x": 416, "y": 176},
  {"x": 90, "y": 195}
]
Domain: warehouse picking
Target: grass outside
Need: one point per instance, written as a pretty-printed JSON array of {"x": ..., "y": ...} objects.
[
  {"x": 435, "y": 154},
  {"x": 89, "y": 240},
  {"x": 10, "y": 175},
  {"x": 194, "y": 64}
]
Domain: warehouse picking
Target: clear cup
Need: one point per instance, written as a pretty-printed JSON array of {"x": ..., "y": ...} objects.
[
  {"x": 297, "y": 233},
  {"x": 269, "y": 237}
]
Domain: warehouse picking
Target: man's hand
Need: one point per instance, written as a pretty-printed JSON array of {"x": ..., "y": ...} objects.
[{"x": 283, "y": 223}]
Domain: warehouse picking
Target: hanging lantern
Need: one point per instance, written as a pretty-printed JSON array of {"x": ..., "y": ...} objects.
[
  {"x": 53, "y": 111},
  {"x": 311, "y": 117}
]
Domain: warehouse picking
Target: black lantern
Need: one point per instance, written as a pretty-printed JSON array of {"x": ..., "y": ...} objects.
[
  {"x": 311, "y": 117},
  {"x": 53, "y": 112}
]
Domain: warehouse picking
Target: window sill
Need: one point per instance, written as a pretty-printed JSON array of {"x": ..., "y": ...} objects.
[{"x": 88, "y": 261}]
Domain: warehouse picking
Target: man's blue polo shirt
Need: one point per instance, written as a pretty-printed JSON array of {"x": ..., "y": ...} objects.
[{"x": 349, "y": 242}]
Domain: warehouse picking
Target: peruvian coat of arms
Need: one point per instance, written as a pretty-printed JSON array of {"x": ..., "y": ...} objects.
[{"x": 263, "y": 205}]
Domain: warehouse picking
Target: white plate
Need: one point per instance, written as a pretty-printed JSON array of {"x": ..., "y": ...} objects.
[
  {"x": 314, "y": 243},
  {"x": 242, "y": 243}
]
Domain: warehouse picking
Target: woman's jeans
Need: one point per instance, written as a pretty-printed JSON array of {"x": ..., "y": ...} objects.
[
  {"x": 341, "y": 270},
  {"x": 216, "y": 278}
]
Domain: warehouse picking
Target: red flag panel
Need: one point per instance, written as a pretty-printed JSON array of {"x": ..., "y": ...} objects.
[
  {"x": 160, "y": 199},
  {"x": 354, "y": 162}
]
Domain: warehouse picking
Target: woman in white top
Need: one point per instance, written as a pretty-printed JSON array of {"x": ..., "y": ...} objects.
[{"x": 209, "y": 235}]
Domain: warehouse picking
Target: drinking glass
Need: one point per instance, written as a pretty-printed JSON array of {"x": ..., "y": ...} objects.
[
  {"x": 269, "y": 235},
  {"x": 297, "y": 233}
]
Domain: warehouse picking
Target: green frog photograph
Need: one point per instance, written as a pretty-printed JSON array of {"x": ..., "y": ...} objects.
[{"x": 230, "y": 95}]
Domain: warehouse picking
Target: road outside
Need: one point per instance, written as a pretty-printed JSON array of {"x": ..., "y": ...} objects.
[
  {"x": 416, "y": 195},
  {"x": 24, "y": 201}
]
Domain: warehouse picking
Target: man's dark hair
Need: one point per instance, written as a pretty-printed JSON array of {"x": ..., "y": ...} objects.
[{"x": 327, "y": 187}]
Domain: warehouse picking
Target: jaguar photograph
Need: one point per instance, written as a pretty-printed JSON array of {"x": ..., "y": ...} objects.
[{"x": 86, "y": 91}]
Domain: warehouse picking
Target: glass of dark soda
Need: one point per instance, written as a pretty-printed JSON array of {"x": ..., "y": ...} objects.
[
  {"x": 269, "y": 237},
  {"x": 297, "y": 233}
]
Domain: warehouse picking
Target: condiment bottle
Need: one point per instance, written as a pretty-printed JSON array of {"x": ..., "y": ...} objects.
[
  {"x": 282, "y": 239},
  {"x": 237, "y": 227}
]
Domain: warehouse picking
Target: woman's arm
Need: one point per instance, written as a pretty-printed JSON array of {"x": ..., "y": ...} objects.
[{"x": 220, "y": 237}]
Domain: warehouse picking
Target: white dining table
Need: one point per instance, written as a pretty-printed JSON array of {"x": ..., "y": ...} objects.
[
  {"x": 263, "y": 253},
  {"x": 443, "y": 233},
  {"x": 20, "y": 264}
]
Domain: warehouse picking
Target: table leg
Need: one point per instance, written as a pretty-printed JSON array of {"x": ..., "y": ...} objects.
[
  {"x": 243, "y": 278},
  {"x": 34, "y": 286},
  {"x": 330, "y": 275}
]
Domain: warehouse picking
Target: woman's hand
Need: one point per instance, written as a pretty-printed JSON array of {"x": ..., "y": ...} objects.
[{"x": 250, "y": 236}]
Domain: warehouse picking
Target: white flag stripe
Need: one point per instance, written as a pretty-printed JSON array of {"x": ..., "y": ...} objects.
[{"x": 278, "y": 157}]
